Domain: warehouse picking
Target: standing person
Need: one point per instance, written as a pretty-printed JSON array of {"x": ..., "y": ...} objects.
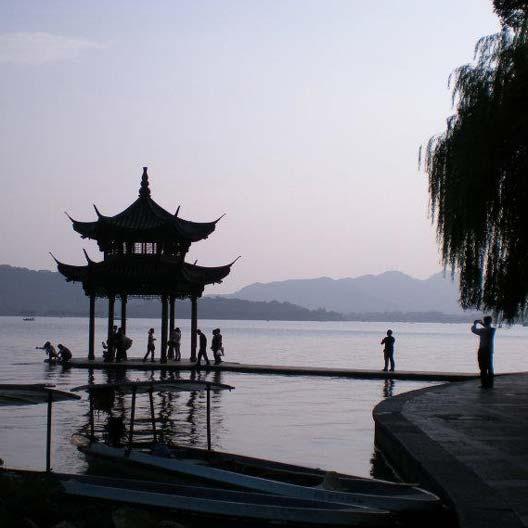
[
  {"x": 65, "y": 354},
  {"x": 485, "y": 350},
  {"x": 388, "y": 351},
  {"x": 216, "y": 346},
  {"x": 50, "y": 351},
  {"x": 111, "y": 343},
  {"x": 202, "y": 351},
  {"x": 174, "y": 344},
  {"x": 120, "y": 345},
  {"x": 177, "y": 343},
  {"x": 150, "y": 345},
  {"x": 170, "y": 345}
]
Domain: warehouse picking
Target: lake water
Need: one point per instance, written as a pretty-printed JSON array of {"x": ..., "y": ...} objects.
[{"x": 313, "y": 421}]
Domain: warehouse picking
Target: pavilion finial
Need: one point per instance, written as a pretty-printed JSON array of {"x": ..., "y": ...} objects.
[{"x": 144, "y": 190}]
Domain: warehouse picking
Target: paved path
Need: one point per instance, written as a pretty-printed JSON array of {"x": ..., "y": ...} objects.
[
  {"x": 136, "y": 363},
  {"x": 468, "y": 444}
]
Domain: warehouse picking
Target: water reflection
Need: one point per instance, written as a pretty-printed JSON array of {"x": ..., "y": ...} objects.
[
  {"x": 179, "y": 417},
  {"x": 388, "y": 388}
]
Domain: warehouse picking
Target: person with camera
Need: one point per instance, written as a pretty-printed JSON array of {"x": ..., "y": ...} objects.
[{"x": 486, "y": 334}]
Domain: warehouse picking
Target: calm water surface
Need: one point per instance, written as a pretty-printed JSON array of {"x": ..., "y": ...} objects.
[{"x": 314, "y": 421}]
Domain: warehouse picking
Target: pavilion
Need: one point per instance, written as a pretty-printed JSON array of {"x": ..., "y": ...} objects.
[{"x": 144, "y": 250}]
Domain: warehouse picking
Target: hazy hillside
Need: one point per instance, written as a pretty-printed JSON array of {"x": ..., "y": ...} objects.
[
  {"x": 28, "y": 292},
  {"x": 391, "y": 291},
  {"x": 391, "y": 296}
]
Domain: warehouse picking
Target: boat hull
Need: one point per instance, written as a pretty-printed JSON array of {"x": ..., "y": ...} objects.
[
  {"x": 281, "y": 479},
  {"x": 225, "y": 503}
]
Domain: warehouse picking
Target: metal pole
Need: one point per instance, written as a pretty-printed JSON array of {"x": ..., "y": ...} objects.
[
  {"x": 48, "y": 432},
  {"x": 132, "y": 415},
  {"x": 152, "y": 416},
  {"x": 208, "y": 418},
  {"x": 91, "y": 329}
]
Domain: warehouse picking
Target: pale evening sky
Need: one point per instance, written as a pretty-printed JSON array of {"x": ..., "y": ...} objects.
[{"x": 299, "y": 119}]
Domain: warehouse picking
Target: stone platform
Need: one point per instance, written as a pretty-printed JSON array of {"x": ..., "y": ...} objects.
[
  {"x": 138, "y": 364},
  {"x": 469, "y": 445}
]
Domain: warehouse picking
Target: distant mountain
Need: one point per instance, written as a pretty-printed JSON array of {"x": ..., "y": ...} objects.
[
  {"x": 391, "y": 291},
  {"x": 391, "y": 296},
  {"x": 28, "y": 292}
]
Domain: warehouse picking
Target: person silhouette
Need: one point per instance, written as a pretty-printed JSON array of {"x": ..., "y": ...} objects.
[
  {"x": 64, "y": 353},
  {"x": 174, "y": 344},
  {"x": 111, "y": 344},
  {"x": 50, "y": 351},
  {"x": 202, "y": 351},
  {"x": 177, "y": 343},
  {"x": 150, "y": 345},
  {"x": 388, "y": 350},
  {"x": 216, "y": 346},
  {"x": 485, "y": 350}
]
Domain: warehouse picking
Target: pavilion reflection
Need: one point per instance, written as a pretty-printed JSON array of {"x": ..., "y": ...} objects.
[{"x": 180, "y": 417}]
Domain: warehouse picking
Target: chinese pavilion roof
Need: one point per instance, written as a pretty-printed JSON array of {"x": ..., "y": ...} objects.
[
  {"x": 143, "y": 275},
  {"x": 144, "y": 221}
]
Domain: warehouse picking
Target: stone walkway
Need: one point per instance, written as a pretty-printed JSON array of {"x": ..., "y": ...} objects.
[{"x": 467, "y": 444}]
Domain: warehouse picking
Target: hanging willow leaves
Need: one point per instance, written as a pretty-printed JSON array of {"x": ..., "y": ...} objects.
[{"x": 478, "y": 171}]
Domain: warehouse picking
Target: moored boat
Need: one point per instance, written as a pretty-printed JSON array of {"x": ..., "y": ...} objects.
[
  {"x": 239, "y": 472},
  {"x": 224, "y": 503}
]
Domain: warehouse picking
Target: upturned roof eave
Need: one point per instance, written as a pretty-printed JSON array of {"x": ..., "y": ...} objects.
[
  {"x": 140, "y": 266},
  {"x": 127, "y": 224}
]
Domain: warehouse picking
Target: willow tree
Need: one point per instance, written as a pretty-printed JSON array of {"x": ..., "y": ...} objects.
[{"x": 478, "y": 171}]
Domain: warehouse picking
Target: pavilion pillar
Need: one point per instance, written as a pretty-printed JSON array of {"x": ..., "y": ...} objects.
[
  {"x": 164, "y": 321},
  {"x": 194, "y": 326},
  {"x": 124, "y": 300},
  {"x": 172, "y": 301},
  {"x": 91, "y": 329},
  {"x": 111, "y": 305}
]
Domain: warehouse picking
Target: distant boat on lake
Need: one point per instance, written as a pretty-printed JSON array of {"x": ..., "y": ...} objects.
[{"x": 28, "y": 319}]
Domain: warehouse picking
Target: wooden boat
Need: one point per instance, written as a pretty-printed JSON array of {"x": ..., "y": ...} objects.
[
  {"x": 240, "y": 472},
  {"x": 216, "y": 502}
]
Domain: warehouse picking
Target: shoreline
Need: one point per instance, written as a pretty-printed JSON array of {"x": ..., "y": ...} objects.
[
  {"x": 449, "y": 319},
  {"x": 466, "y": 444}
]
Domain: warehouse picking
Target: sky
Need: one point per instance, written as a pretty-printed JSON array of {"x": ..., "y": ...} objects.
[{"x": 301, "y": 120}]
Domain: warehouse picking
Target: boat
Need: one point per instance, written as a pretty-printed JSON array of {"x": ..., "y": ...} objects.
[
  {"x": 28, "y": 319},
  {"x": 240, "y": 472},
  {"x": 246, "y": 473},
  {"x": 214, "y": 502}
]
